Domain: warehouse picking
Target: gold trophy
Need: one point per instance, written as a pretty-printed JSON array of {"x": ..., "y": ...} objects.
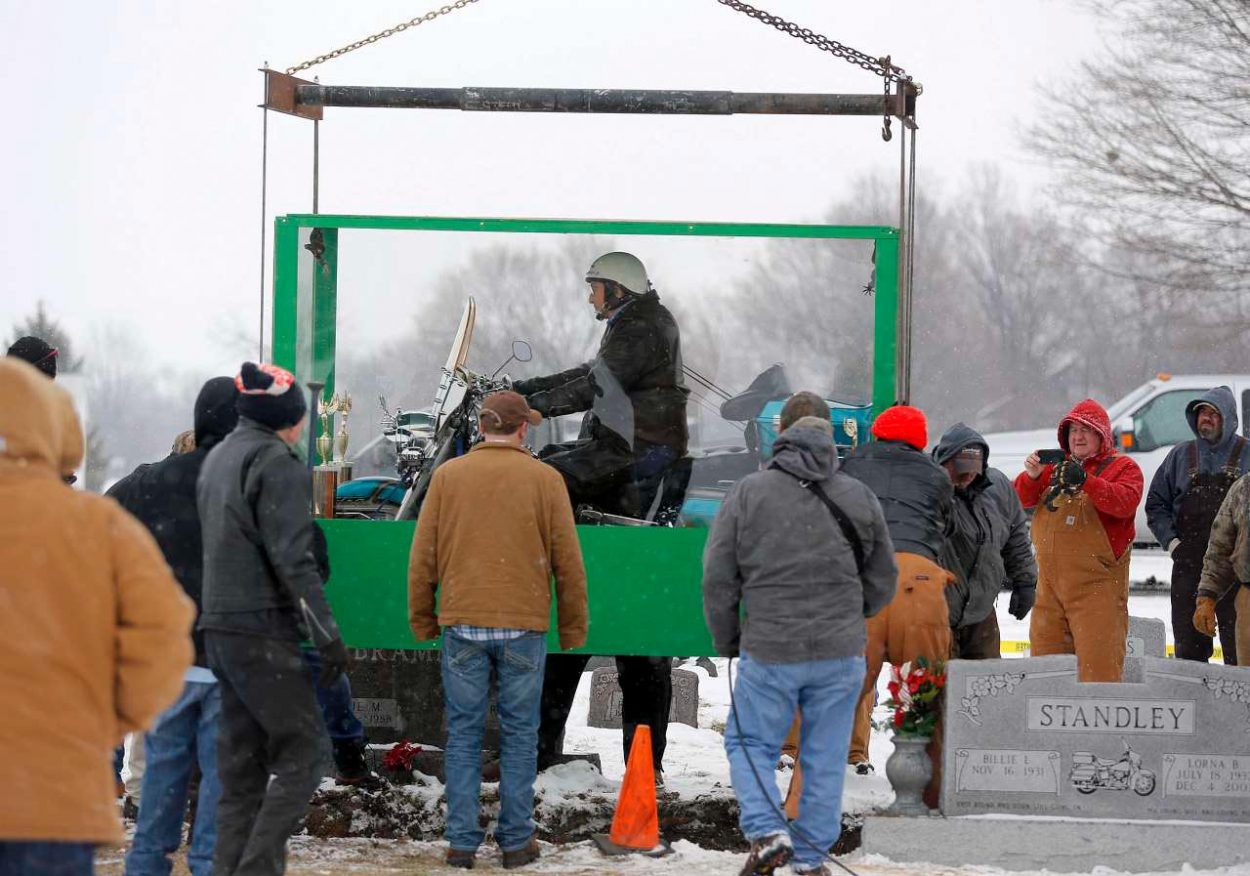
[
  {"x": 325, "y": 476},
  {"x": 341, "y": 438},
  {"x": 325, "y": 440}
]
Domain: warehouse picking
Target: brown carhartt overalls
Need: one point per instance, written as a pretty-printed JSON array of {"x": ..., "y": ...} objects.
[{"x": 1082, "y": 588}]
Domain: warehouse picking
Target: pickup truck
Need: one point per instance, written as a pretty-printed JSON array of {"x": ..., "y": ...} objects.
[{"x": 1146, "y": 423}]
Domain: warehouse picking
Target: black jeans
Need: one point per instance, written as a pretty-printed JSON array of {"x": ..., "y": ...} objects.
[
  {"x": 1191, "y": 644},
  {"x": 270, "y": 727},
  {"x": 646, "y": 689}
]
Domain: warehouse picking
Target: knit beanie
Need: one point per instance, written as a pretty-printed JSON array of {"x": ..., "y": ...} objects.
[
  {"x": 216, "y": 411},
  {"x": 902, "y": 423},
  {"x": 37, "y": 352},
  {"x": 270, "y": 396}
]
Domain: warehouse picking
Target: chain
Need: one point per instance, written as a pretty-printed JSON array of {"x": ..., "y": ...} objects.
[
  {"x": 880, "y": 66},
  {"x": 380, "y": 35}
]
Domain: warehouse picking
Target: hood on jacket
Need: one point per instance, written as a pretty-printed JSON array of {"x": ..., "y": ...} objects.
[
  {"x": 955, "y": 439},
  {"x": 1222, "y": 399},
  {"x": 215, "y": 412},
  {"x": 38, "y": 425},
  {"x": 805, "y": 452},
  {"x": 1093, "y": 415}
]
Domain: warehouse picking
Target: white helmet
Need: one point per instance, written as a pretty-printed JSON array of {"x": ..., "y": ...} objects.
[{"x": 623, "y": 269}]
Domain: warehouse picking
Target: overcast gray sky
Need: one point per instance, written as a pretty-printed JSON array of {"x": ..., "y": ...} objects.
[{"x": 130, "y": 162}]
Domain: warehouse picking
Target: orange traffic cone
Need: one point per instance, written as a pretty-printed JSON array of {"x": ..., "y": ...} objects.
[{"x": 636, "y": 824}]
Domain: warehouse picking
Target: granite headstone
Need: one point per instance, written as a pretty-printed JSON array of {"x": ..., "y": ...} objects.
[
  {"x": 605, "y": 699},
  {"x": 1147, "y": 637},
  {"x": 398, "y": 694},
  {"x": 1025, "y": 737}
]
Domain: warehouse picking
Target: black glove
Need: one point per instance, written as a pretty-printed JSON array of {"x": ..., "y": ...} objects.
[
  {"x": 1022, "y": 599},
  {"x": 334, "y": 662},
  {"x": 1071, "y": 473}
]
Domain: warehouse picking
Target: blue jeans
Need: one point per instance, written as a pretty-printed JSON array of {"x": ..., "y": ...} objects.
[
  {"x": 184, "y": 733},
  {"x": 766, "y": 696},
  {"x": 46, "y": 858},
  {"x": 335, "y": 702},
  {"x": 467, "y": 671}
]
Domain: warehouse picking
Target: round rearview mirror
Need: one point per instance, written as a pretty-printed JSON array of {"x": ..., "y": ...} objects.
[{"x": 521, "y": 351}]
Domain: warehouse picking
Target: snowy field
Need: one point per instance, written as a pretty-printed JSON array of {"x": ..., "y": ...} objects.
[{"x": 695, "y": 765}]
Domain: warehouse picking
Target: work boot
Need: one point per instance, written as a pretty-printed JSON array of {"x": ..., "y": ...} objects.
[
  {"x": 461, "y": 859},
  {"x": 767, "y": 854},
  {"x": 349, "y": 763},
  {"x": 527, "y": 854}
]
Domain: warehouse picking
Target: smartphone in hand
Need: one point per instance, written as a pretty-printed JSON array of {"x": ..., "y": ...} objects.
[{"x": 1051, "y": 457}]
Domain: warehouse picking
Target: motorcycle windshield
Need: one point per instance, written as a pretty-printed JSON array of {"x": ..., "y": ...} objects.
[
  {"x": 459, "y": 353},
  {"x": 451, "y": 385}
]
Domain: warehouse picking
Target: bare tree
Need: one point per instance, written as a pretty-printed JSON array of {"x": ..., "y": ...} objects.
[
  {"x": 1153, "y": 141},
  {"x": 42, "y": 326}
]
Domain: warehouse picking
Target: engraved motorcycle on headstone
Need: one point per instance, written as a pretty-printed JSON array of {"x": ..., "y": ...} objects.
[{"x": 1092, "y": 773}]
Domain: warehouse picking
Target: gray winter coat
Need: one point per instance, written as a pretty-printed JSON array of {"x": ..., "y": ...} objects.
[
  {"x": 776, "y": 550},
  {"x": 988, "y": 543},
  {"x": 1171, "y": 481},
  {"x": 260, "y": 575},
  {"x": 914, "y": 492}
]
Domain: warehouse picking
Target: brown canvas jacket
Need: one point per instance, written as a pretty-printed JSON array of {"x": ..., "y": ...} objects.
[
  {"x": 94, "y": 630},
  {"x": 495, "y": 528}
]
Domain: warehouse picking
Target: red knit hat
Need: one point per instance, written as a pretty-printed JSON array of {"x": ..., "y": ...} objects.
[{"x": 902, "y": 423}]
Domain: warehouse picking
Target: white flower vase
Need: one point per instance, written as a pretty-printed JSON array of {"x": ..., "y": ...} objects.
[{"x": 909, "y": 772}]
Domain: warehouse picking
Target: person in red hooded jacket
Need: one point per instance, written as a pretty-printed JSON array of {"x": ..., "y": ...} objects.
[{"x": 1083, "y": 535}]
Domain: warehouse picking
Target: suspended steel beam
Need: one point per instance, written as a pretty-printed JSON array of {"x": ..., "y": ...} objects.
[
  {"x": 304, "y": 99},
  {"x": 587, "y": 100}
]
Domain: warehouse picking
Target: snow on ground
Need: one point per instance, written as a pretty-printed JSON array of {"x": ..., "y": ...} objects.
[{"x": 370, "y": 857}]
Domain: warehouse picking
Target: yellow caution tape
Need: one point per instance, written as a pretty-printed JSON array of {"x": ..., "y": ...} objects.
[{"x": 1022, "y": 647}]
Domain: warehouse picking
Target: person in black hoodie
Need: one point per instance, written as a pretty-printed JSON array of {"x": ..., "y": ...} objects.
[
  {"x": 986, "y": 547},
  {"x": 1185, "y": 495},
  {"x": 162, "y": 496}
]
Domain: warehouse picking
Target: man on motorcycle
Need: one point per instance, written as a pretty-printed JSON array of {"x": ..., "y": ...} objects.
[
  {"x": 632, "y": 392},
  {"x": 634, "y": 431}
]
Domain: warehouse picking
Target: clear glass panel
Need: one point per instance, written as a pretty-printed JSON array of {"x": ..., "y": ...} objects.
[{"x": 741, "y": 306}]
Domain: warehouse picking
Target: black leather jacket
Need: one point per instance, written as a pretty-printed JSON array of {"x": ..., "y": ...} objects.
[
  {"x": 641, "y": 354},
  {"x": 260, "y": 574}
]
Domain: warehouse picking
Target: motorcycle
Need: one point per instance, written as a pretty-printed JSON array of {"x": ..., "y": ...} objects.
[
  {"x": 425, "y": 439},
  {"x": 1091, "y": 773}
]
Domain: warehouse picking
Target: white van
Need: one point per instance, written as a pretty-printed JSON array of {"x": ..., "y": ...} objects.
[{"x": 1147, "y": 423}]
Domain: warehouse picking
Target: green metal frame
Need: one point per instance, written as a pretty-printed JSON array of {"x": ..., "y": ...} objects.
[{"x": 634, "y": 575}]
